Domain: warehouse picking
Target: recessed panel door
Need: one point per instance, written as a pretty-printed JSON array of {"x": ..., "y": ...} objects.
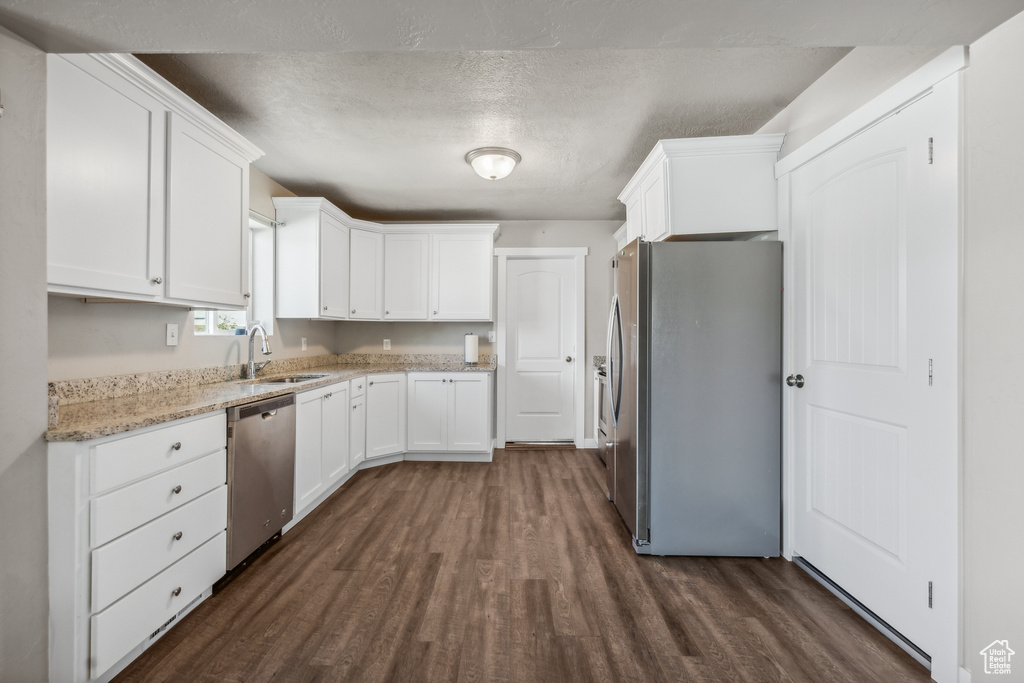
[
  {"x": 874, "y": 381},
  {"x": 541, "y": 296}
]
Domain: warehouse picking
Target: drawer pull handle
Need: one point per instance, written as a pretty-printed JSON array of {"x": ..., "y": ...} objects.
[
  {"x": 176, "y": 489},
  {"x": 176, "y": 446},
  {"x": 177, "y": 536},
  {"x": 176, "y": 592}
]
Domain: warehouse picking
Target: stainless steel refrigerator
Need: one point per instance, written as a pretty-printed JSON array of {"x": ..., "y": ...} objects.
[{"x": 694, "y": 365}]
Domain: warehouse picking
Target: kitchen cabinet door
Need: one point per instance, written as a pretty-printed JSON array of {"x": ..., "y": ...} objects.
[
  {"x": 335, "y": 432},
  {"x": 469, "y": 411},
  {"x": 406, "y": 262},
  {"x": 334, "y": 264},
  {"x": 428, "y": 411},
  {"x": 207, "y": 218},
  {"x": 655, "y": 209},
  {"x": 357, "y": 430},
  {"x": 105, "y": 182},
  {"x": 461, "y": 267},
  {"x": 366, "y": 274},
  {"x": 385, "y": 414},
  {"x": 309, "y": 445}
]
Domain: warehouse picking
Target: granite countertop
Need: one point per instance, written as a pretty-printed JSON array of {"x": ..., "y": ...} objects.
[{"x": 90, "y": 419}]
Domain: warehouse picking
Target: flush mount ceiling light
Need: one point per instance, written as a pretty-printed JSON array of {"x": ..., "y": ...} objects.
[{"x": 493, "y": 163}]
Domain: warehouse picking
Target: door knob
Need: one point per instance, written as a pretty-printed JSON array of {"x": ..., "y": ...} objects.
[
  {"x": 568, "y": 359},
  {"x": 795, "y": 381}
]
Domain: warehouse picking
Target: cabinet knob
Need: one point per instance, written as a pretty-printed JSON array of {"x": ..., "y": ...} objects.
[
  {"x": 325, "y": 308},
  {"x": 371, "y": 384},
  {"x": 387, "y": 312},
  {"x": 177, "y": 536},
  {"x": 176, "y": 489},
  {"x": 176, "y": 592},
  {"x": 435, "y": 312},
  {"x": 353, "y": 311},
  {"x": 247, "y": 295},
  {"x": 329, "y": 395},
  {"x": 158, "y": 281},
  {"x": 176, "y": 446}
]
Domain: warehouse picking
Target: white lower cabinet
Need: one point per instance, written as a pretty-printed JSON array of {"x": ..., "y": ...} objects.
[
  {"x": 385, "y": 414},
  {"x": 357, "y": 423},
  {"x": 321, "y": 441},
  {"x": 449, "y": 411},
  {"x": 136, "y": 526}
]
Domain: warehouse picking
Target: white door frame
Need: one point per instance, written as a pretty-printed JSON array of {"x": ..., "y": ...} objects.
[
  {"x": 578, "y": 254},
  {"x": 945, "y": 665}
]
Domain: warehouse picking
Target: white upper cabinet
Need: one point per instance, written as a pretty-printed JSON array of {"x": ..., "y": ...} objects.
[
  {"x": 461, "y": 276},
  {"x": 207, "y": 218},
  {"x": 696, "y": 186},
  {"x": 147, "y": 193},
  {"x": 366, "y": 274},
  {"x": 406, "y": 275},
  {"x": 312, "y": 259},
  {"x": 104, "y": 164}
]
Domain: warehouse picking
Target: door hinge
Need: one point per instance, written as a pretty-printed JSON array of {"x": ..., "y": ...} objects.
[
  {"x": 930, "y": 376},
  {"x": 929, "y": 595},
  {"x": 931, "y": 150}
]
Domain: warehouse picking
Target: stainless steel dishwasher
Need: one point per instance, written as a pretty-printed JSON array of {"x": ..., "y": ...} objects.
[{"x": 261, "y": 473}]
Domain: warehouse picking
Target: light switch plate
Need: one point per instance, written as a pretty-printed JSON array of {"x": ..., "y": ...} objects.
[
  {"x": 491, "y": 336},
  {"x": 172, "y": 334},
  {"x": 303, "y": 343},
  {"x": 387, "y": 344}
]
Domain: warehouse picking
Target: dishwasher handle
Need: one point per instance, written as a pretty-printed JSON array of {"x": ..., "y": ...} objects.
[{"x": 269, "y": 414}]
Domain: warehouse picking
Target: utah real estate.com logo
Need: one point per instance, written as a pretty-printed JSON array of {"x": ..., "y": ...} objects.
[{"x": 997, "y": 657}]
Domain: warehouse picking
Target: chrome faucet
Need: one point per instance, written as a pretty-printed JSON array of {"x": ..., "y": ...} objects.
[{"x": 251, "y": 368}]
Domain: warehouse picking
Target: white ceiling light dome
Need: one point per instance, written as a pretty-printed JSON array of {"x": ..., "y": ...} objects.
[{"x": 493, "y": 163}]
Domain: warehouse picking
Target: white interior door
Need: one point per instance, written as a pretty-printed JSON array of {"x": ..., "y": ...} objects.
[
  {"x": 541, "y": 349},
  {"x": 874, "y": 245}
]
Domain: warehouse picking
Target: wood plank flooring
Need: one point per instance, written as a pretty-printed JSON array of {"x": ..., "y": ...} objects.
[{"x": 515, "y": 570}]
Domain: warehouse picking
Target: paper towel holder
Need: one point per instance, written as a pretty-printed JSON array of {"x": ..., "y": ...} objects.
[{"x": 472, "y": 349}]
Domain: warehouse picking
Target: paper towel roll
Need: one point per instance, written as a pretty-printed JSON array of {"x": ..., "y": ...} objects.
[{"x": 472, "y": 349}]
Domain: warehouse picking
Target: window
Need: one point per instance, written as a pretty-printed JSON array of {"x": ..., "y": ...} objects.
[{"x": 261, "y": 286}]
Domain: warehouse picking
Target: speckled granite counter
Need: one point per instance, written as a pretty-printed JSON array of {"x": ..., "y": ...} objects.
[{"x": 95, "y": 407}]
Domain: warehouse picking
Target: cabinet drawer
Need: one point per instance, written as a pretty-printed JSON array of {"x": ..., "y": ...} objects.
[
  {"x": 358, "y": 387},
  {"x": 121, "y": 565},
  {"x": 125, "y": 624},
  {"x": 123, "y": 461},
  {"x": 132, "y": 506}
]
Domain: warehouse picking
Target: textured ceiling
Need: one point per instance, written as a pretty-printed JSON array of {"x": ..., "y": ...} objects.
[
  {"x": 384, "y": 134},
  {"x": 374, "y": 103},
  {"x": 367, "y": 25}
]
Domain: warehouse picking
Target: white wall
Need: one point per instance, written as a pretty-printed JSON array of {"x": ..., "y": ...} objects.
[
  {"x": 95, "y": 339},
  {"x": 855, "y": 80},
  {"x": 23, "y": 554},
  {"x": 993, "y": 348}
]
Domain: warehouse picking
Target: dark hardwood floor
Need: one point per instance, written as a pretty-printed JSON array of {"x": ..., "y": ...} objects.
[{"x": 516, "y": 570}]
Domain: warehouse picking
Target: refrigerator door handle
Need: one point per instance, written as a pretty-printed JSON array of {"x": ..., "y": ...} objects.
[{"x": 614, "y": 361}]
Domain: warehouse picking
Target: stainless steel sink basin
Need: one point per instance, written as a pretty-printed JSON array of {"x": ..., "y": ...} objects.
[{"x": 289, "y": 379}]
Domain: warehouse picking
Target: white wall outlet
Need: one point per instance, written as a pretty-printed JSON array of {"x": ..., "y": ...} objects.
[
  {"x": 172, "y": 334},
  {"x": 303, "y": 343},
  {"x": 492, "y": 336},
  {"x": 387, "y": 344}
]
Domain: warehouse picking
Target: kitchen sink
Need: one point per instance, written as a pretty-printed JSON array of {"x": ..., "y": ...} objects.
[{"x": 289, "y": 379}]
